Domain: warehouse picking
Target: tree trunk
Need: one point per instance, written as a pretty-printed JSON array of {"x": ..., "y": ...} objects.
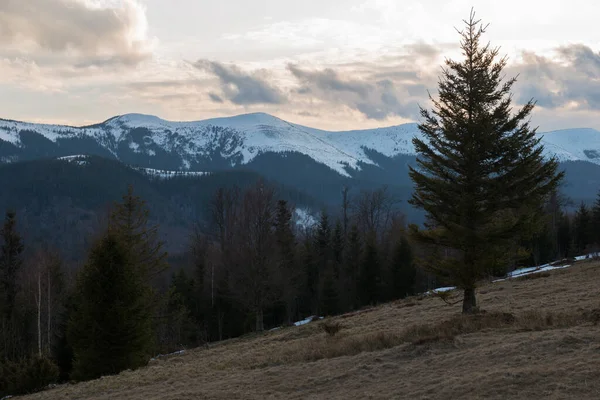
[
  {"x": 49, "y": 324},
  {"x": 288, "y": 312},
  {"x": 39, "y": 313},
  {"x": 220, "y": 317},
  {"x": 259, "y": 320},
  {"x": 469, "y": 301}
]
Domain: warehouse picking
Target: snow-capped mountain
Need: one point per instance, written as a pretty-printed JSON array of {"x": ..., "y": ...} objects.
[{"x": 151, "y": 142}]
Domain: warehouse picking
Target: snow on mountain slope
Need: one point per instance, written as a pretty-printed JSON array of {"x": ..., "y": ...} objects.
[
  {"x": 166, "y": 174},
  {"x": 240, "y": 139},
  {"x": 581, "y": 144},
  {"x": 256, "y": 133}
]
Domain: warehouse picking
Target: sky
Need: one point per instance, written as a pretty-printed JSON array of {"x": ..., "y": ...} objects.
[{"x": 331, "y": 64}]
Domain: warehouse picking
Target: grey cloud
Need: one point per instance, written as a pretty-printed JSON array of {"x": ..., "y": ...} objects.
[
  {"x": 328, "y": 79},
  {"x": 308, "y": 114},
  {"x": 542, "y": 96},
  {"x": 583, "y": 59},
  {"x": 375, "y": 99},
  {"x": 240, "y": 87},
  {"x": 167, "y": 84},
  {"x": 100, "y": 36},
  {"x": 401, "y": 75},
  {"x": 215, "y": 97},
  {"x": 423, "y": 50},
  {"x": 573, "y": 77}
]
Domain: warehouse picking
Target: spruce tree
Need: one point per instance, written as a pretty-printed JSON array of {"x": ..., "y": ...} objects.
[
  {"x": 370, "y": 283},
  {"x": 352, "y": 264},
  {"x": 480, "y": 168},
  {"x": 337, "y": 247},
  {"x": 564, "y": 237},
  {"x": 595, "y": 224},
  {"x": 110, "y": 327},
  {"x": 10, "y": 262},
  {"x": 322, "y": 260},
  {"x": 404, "y": 272},
  {"x": 582, "y": 229},
  {"x": 180, "y": 326},
  {"x": 286, "y": 257},
  {"x": 330, "y": 302},
  {"x": 129, "y": 220}
]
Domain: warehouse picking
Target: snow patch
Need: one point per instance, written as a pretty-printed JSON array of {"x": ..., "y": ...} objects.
[
  {"x": 134, "y": 146},
  {"x": 517, "y": 273},
  {"x": 177, "y": 353},
  {"x": 441, "y": 290},
  {"x": 76, "y": 159},
  {"x": 167, "y": 174},
  {"x": 307, "y": 320},
  {"x": 304, "y": 219}
]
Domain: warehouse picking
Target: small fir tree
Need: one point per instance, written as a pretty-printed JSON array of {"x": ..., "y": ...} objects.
[{"x": 110, "y": 327}]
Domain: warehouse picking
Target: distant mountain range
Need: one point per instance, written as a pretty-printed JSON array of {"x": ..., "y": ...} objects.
[
  {"x": 222, "y": 143},
  {"x": 53, "y": 170}
]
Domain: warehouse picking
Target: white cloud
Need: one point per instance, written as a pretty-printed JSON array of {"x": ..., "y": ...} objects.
[
  {"x": 91, "y": 58},
  {"x": 82, "y": 32}
]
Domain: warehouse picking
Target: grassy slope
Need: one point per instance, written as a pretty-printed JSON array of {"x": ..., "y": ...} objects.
[{"x": 417, "y": 348}]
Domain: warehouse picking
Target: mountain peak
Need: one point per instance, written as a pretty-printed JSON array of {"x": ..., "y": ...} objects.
[{"x": 137, "y": 119}]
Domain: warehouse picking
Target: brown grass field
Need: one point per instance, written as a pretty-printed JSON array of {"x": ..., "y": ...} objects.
[{"x": 537, "y": 339}]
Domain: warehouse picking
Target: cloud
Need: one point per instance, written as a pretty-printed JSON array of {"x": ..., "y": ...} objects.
[
  {"x": 215, "y": 98},
  {"x": 571, "y": 79},
  {"x": 376, "y": 99},
  {"x": 86, "y": 33},
  {"x": 328, "y": 80},
  {"x": 242, "y": 88}
]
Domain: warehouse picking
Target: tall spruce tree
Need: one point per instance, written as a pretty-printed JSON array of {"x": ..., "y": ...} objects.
[
  {"x": 351, "y": 271},
  {"x": 337, "y": 247},
  {"x": 10, "y": 262},
  {"x": 129, "y": 220},
  {"x": 288, "y": 275},
  {"x": 322, "y": 248},
  {"x": 13, "y": 340},
  {"x": 595, "y": 224},
  {"x": 370, "y": 283},
  {"x": 480, "y": 168},
  {"x": 110, "y": 327},
  {"x": 403, "y": 270},
  {"x": 582, "y": 229}
]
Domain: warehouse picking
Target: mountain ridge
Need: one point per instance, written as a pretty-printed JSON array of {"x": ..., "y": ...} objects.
[{"x": 237, "y": 140}]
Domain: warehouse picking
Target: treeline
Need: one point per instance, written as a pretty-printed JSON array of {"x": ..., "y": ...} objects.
[
  {"x": 256, "y": 268},
  {"x": 103, "y": 321},
  {"x": 562, "y": 234},
  {"x": 253, "y": 265}
]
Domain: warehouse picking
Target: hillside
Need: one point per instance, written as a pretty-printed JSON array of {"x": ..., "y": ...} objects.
[
  {"x": 539, "y": 339},
  {"x": 63, "y": 202},
  {"x": 316, "y": 162}
]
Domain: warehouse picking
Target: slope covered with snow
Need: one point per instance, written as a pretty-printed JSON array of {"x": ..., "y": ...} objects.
[
  {"x": 573, "y": 144},
  {"x": 240, "y": 139}
]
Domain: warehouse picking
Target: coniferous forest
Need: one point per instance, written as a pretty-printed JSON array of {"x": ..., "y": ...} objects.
[
  {"x": 249, "y": 268},
  {"x": 493, "y": 203}
]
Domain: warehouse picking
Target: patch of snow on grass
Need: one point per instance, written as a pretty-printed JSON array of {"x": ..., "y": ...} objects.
[
  {"x": 441, "y": 290},
  {"x": 306, "y": 320}
]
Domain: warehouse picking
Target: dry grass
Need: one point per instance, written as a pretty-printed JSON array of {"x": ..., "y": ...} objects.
[
  {"x": 331, "y": 328},
  {"x": 537, "y": 275},
  {"x": 538, "y": 339}
]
